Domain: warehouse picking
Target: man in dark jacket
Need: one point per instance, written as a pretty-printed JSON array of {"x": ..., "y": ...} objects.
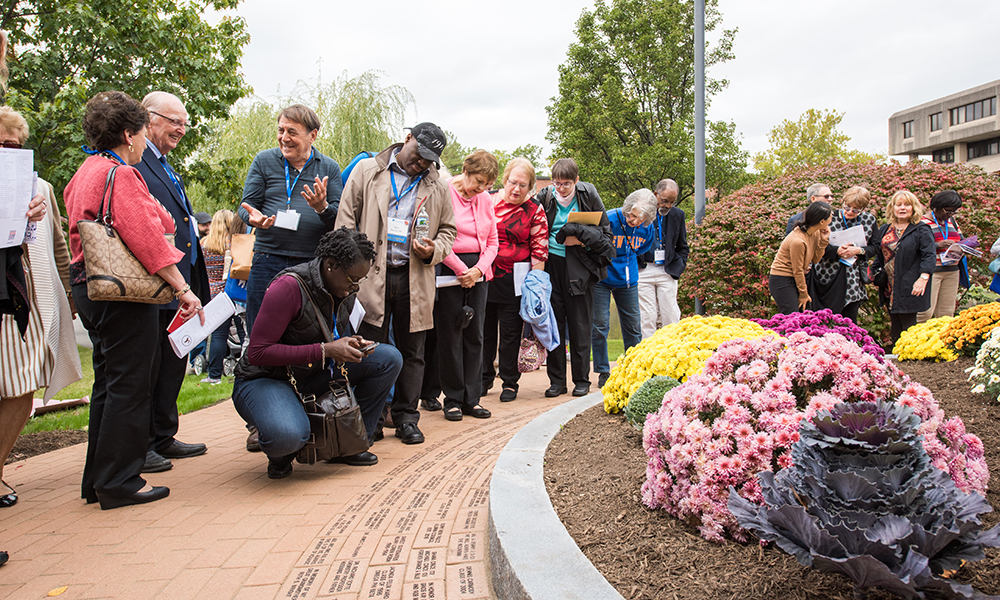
[
  {"x": 661, "y": 268},
  {"x": 167, "y": 125},
  {"x": 579, "y": 255}
]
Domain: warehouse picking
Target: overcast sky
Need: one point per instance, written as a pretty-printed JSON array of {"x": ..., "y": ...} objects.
[{"x": 486, "y": 71}]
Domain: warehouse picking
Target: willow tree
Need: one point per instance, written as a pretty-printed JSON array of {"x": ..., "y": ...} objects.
[
  {"x": 356, "y": 114},
  {"x": 625, "y": 109}
]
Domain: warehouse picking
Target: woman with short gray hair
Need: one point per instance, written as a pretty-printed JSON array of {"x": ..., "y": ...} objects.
[{"x": 633, "y": 234}]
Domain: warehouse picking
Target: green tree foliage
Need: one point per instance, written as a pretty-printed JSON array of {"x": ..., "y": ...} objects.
[
  {"x": 68, "y": 50},
  {"x": 811, "y": 140},
  {"x": 732, "y": 252},
  {"x": 454, "y": 155},
  {"x": 356, "y": 114},
  {"x": 625, "y": 109}
]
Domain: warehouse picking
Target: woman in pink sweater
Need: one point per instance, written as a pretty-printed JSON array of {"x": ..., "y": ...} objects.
[
  {"x": 123, "y": 333},
  {"x": 459, "y": 334}
]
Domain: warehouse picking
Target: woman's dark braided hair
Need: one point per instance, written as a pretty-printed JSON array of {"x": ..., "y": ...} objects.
[{"x": 346, "y": 247}]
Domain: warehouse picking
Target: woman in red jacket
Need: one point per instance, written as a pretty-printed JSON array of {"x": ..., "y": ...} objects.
[{"x": 123, "y": 333}]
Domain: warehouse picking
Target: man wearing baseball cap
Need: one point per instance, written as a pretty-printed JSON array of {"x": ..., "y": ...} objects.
[
  {"x": 204, "y": 222},
  {"x": 399, "y": 201}
]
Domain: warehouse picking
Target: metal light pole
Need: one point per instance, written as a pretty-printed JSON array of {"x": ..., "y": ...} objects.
[{"x": 699, "y": 123}]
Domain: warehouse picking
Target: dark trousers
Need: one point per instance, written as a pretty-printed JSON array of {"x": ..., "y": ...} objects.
[
  {"x": 460, "y": 351},
  {"x": 125, "y": 342},
  {"x": 851, "y": 311},
  {"x": 900, "y": 322},
  {"x": 430, "y": 389},
  {"x": 218, "y": 350},
  {"x": 574, "y": 317},
  {"x": 168, "y": 375},
  {"x": 410, "y": 344},
  {"x": 503, "y": 327},
  {"x": 785, "y": 293}
]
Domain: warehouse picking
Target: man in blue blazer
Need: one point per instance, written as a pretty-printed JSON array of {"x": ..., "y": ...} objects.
[{"x": 167, "y": 125}]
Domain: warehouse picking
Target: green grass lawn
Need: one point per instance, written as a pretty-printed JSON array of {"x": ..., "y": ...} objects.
[
  {"x": 615, "y": 349},
  {"x": 194, "y": 395}
]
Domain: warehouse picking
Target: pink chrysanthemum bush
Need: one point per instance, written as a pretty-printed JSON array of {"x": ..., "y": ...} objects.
[
  {"x": 817, "y": 323},
  {"x": 741, "y": 416}
]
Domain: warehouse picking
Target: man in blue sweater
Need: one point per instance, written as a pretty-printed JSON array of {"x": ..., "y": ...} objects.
[{"x": 633, "y": 235}]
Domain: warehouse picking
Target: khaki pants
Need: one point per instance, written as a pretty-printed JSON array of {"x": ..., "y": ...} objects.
[{"x": 944, "y": 295}]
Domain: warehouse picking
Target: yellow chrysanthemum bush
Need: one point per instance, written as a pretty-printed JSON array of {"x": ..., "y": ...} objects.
[
  {"x": 967, "y": 332},
  {"x": 679, "y": 351},
  {"x": 923, "y": 342}
]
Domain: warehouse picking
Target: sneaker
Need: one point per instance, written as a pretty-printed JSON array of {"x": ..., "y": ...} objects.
[{"x": 211, "y": 380}]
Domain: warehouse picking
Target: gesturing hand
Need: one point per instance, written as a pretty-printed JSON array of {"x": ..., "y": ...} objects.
[
  {"x": 257, "y": 218},
  {"x": 316, "y": 197}
]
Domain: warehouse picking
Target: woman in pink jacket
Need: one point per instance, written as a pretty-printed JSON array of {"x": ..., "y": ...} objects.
[{"x": 460, "y": 310}]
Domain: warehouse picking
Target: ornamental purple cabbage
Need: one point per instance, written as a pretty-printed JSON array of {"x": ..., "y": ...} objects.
[{"x": 863, "y": 499}]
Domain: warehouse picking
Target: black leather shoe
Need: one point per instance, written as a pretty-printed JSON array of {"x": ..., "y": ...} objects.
[
  {"x": 431, "y": 404},
  {"x": 409, "y": 433},
  {"x": 253, "y": 441},
  {"x": 8, "y": 499},
  {"x": 364, "y": 459},
  {"x": 279, "y": 468},
  {"x": 181, "y": 450},
  {"x": 555, "y": 390},
  {"x": 156, "y": 463},
  {"x": 581, "y": 389},
  {"x": 109, "y": 502},
  {"x": 476, "y": 412},
  {"x": 379, "y": 435},
  {"x": 453, "y": 414},
  {"x": 602, "y": 379},
  {"x": 3, "y": 557},
  {"x": 507, "y": 395}
]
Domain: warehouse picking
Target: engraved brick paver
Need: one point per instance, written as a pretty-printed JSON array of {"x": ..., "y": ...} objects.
[{"x": 412, "y": 527}]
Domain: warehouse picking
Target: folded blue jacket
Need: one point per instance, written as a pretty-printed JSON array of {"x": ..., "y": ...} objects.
[{"x": 536, "y": 309}]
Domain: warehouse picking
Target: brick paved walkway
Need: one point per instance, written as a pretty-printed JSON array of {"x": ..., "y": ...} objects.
[{"x": 412, "y": 527}]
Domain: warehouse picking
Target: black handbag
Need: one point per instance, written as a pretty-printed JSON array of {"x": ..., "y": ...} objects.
[{"x": 336, "y": 427}]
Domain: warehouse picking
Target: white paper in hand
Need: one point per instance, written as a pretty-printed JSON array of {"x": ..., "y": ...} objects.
[{"x": 192, "y": 332}]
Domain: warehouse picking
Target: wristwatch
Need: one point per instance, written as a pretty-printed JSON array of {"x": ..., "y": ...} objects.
[{"x": 925, "y": 276}]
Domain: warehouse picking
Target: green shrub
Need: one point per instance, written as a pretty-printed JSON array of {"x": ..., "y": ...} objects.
[
  {"x": 731, "y": 252},
  {"x": 648, "y": 398}
]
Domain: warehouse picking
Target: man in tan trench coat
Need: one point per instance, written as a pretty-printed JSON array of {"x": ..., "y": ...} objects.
[{"x": 398, "y": 199}]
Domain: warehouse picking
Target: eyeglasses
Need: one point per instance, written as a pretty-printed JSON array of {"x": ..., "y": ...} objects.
[
  {"x": 353, "y": 281},
  {"x": 10, "y": 144},
  {"x": 563, "y": 184},
  {"x": 175, "y": 122},
  {"x": 827, "y": 196},
  {"x": 853, "y": 210}
]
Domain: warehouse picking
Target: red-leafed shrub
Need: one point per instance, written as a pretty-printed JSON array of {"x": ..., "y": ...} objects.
[{"x": 731, "y": 252}]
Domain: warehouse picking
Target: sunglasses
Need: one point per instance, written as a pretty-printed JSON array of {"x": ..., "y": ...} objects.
[
  {"x": 852, "y": 210},
  {"x": 10, "y": 144}
]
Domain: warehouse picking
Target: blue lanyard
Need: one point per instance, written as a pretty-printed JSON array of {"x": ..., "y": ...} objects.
[
  {"x": 628, "y": 239},
  {"x": 289, "y": 184},
  {"x": 395, "y": 192},
  {"x": 933, "y": 216}
]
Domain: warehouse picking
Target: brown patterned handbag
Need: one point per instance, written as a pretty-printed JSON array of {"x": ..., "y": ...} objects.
[{"x": 113, "y": 272}]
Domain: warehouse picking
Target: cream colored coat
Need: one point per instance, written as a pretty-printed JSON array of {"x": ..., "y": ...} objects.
[{"x": 364, "y": 206}]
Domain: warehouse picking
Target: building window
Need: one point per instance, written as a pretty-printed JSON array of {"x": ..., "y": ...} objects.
[
  {"x": 936, "y": 122},
  {"x": 944, "y": 156},
  {"x": 908, "y": 129},
  {"x": 983, "y": 148},
  {"x": 971, "y": 112}
]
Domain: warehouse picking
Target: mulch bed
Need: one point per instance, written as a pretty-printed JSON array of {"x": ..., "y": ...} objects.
[
  {"x": 594, "y": 469},
  {"x": 30, "y": 444}
]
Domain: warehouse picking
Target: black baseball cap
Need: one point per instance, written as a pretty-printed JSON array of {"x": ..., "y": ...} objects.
[
  {"x": 430, "y": 141},
  {"x": 203, "y": 218}
]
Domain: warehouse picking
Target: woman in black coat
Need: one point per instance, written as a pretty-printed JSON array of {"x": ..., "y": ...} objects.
[{"x": 907, "y": 256}]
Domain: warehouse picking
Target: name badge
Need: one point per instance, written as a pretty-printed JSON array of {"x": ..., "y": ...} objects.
[
  {"x": 660, "y": 256},
  {"x": 287, "y": 219},
  {"x": 399, "y": 230}
]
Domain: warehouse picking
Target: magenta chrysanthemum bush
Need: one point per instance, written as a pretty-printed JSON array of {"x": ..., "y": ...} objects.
[
  {"x": 817, "y": 323},
  {"x": 741, "y": 416}
]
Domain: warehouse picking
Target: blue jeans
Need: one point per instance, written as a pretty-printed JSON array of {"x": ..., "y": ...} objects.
[
  {"x": 265, "y": 266},
  {"x": 219, "y": 348},
  {"x": 627, "y": 301},
  {"x": 272, "y": 406}
]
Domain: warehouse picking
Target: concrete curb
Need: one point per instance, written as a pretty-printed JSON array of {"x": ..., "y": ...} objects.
[{"x": 532, "y": 555}]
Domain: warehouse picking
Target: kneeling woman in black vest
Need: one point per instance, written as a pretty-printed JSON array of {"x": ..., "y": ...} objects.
[{"x": 287, "y": 337}]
